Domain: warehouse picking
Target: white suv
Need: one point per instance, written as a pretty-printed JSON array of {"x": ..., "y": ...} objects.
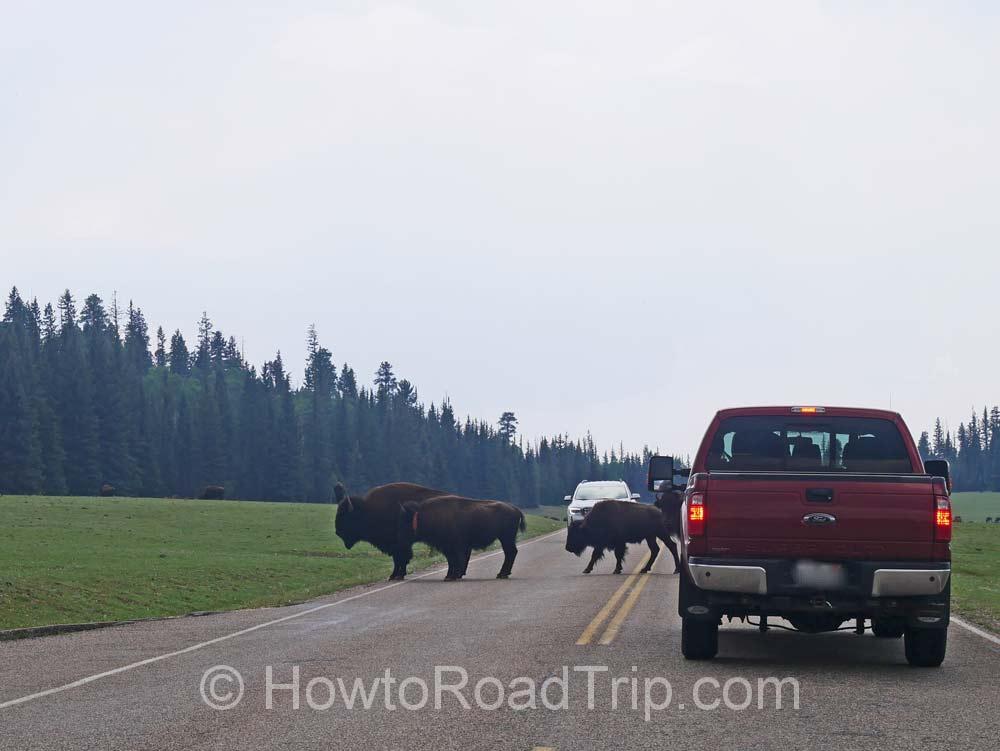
[{"x": 589, "y": 493}]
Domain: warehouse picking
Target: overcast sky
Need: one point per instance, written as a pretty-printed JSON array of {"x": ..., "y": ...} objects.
[{"x": 602, "y": 215}]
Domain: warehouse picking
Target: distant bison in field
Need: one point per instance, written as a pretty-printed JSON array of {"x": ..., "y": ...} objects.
[
  {"x": 107, "y": 490},
  {"x": 374, "y": 518},
  {"x": 213, "y": 493},
  {"x": 958, "y": 519},
  {"x": 456, "y": 526},
  {"x": 611, "y": 525},
  {"x": 989, "y": 519}
]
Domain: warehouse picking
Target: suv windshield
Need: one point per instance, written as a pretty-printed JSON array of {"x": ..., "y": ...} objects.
[
  {"x": 599, "y": 491},
  {"x": 807, "y": 444}
]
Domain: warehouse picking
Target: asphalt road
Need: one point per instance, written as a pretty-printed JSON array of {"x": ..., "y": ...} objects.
[{"x": 139, "y": 686}]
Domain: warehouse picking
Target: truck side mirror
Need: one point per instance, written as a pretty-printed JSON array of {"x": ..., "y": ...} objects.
[
  {"x": 567, "y": 499},
  {"x": 661, "y": 470},
  {"x": 939, "y": 468}
]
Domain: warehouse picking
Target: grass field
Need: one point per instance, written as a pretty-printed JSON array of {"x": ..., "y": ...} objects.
[
  {"x": 69, "y": 560},
  {"x": 975, "y": 507},
  {"x": 975, "y": 584},
  {"x": 556, "y": 513}
]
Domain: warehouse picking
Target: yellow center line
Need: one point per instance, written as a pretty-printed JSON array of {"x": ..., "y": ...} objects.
[
  {"x": 588, "y": 633},
  {"x": 626, "y": 608}
]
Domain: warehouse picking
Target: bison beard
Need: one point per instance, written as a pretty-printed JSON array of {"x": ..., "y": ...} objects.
[
  {"x": 456, "y": 526},
  {"x": 374, "y": 518},
  {"x": 611, "y": 525}
]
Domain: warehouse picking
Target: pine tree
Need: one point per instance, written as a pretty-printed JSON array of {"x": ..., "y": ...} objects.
[
  {"x": 137, "y": 339},
  {"x": 20, "y": 451},
  {"x": 74, "y": 404},
  {"x": 203, "y": 355},
  {"x": 318, "y": 449},
  {"x": 180, "y": 358},
  {"x": 938, "y": 446},
  {"x": 924, "y": 445},
  {"x": 508, "y": 426},
  {"x": 160, "y": 355},
  {"x": 385, "y": 384}
]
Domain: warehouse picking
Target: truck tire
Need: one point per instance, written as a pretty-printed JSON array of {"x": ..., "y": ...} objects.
[
  {"x": 699, "y": 639},
  {"x": 925, "y": 647},
  {"x": 888, "y": 629}
]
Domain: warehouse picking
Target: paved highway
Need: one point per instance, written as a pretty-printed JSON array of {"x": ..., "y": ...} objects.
[{"x": 144, "y": 686}]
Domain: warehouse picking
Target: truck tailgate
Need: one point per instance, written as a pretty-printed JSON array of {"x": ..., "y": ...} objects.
[{"x": 831, "y": 516}]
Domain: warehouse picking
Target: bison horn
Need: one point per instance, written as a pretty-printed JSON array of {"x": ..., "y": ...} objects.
[{"x": 338, "y": 492}]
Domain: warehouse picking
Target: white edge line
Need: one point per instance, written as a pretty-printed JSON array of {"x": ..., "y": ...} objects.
[
  {"x": 977, "y": 631},
  {"x": 202, "y": 645}
]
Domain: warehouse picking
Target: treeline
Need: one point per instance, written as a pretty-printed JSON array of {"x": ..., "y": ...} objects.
[
  {"x": 87, "y": 399},
  {"x": 973, "y": 450}
]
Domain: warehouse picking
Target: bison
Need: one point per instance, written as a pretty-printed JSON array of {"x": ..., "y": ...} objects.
[
  {"x": 670, "y": 502},
  {"x": 212, "y": 493},
  {"x": 611, "y": 525},
  {"x": 374, "y": 518},
  {"x": 107, "y": 490},
  {"x": 456, "y": 526}
]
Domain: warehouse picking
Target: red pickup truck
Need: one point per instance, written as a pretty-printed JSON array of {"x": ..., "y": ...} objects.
[{"x": 817, "y": 515}]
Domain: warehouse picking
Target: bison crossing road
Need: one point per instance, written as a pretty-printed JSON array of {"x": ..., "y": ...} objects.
[
  {"x": 612, "y": 525},
  {"x": 393, "y": 517}
]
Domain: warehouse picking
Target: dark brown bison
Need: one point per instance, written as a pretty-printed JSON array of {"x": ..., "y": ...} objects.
[
  {"x": 670, "y": 502},
  {"x": 107, "y": 490},
  {"x": 213, "y": 493},
  {"x": 456, "y": 526},
  {"x": 374, "y": 518},
  {"x": 611, "y": 525}
]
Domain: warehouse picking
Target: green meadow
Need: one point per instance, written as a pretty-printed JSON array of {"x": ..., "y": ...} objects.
[{"x": 74, "y": 560}]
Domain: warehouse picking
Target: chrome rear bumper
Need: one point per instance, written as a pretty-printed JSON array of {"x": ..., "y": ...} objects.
[
  {"x": 885, "y": 582},
  {"x": 748, "y": 579},
  {"x": 898, "y": 582}
]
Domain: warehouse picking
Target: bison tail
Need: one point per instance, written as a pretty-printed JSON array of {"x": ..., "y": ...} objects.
[{"x": 523, "y": 524}]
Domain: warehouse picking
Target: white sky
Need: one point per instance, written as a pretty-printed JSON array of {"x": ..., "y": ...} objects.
[{"x": 608, "y": 216}]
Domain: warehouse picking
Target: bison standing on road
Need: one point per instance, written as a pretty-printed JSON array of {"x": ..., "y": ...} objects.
[
  {"x": 670, "y": 502},
  {"x": 611, "y": 525},
  {"x": 374, "y": 518},
  {"x": 456, "y": 526}
]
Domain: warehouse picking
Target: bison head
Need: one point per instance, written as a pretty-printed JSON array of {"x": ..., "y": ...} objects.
[
  {"x": 576, "y": 537},
  {"x": 669, "y": 501},
  {"x": 350, "y": 517}
]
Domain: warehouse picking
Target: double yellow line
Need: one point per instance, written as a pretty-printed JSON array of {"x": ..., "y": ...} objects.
[{"x": 633, "y": 585}]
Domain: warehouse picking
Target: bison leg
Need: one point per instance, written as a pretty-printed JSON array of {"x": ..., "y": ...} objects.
[
  {"x": 509, "y": 546},
  {"x": 654, "y": 550},
  {"x": 454, "y": 567},
  {"x": 465, "y": 564},
  {"x": 668, "y": 541},
  {"x": 597, "y": 555},
  {"x": 620, "y": 551},
  {"x": 400, "y": 559}
]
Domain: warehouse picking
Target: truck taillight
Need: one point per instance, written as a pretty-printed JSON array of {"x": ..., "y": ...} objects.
[
  {"x": 942, "y": 518},
  {"x": 696, "y": 515}
]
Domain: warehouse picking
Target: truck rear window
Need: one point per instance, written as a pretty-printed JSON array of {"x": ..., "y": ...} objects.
[{"x": 763, "y": 443}]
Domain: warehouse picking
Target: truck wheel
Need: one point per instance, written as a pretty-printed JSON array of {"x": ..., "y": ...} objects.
[
  {"x": 699, "y": 639},
  {"x": 925, "y": 647},
  {"x": 887, "y": 629}
]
